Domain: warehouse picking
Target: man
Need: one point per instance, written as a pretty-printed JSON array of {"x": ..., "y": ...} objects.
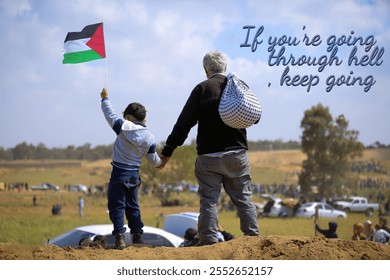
[{"x": 222, "y": 157}]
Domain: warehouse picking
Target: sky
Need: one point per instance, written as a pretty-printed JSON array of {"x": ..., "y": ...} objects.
[{"x": 154, "y": 56}]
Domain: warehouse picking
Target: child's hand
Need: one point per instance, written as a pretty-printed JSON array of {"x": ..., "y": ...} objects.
[
  {"x": 104, "y": 93},
  {"x": 164, "y": 161}
]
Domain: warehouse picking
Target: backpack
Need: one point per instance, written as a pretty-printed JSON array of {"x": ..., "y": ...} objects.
[{"x": 239, "y": 107}]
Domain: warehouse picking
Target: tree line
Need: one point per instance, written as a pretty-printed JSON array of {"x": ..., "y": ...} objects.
[{"x": 26, "y": 151}]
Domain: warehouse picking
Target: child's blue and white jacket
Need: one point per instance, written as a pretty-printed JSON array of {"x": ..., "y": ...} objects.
[{"x": 134, "y": 141}]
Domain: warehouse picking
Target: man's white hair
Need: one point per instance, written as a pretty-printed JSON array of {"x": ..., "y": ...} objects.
[{"x": 214, "y": 62}]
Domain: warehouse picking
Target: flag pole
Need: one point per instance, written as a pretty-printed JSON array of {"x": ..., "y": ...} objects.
[
  {"x": 105, "y": 74},
  {"x": 106, "y": 66}
]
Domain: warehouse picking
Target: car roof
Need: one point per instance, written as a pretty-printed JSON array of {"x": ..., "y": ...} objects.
[
  {"x": 97, "y": 229},
  {"x": 178, "y": 223},
  {"x": 308, "y": 203},
  {"x": 189, "y": 215},
  {"x": 311, "y": 203}
]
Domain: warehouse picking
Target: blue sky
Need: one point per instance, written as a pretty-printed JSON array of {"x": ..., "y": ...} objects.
[{"x": 154, "y": 56}]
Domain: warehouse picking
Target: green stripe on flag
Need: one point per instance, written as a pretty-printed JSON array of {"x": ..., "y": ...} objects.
[{"x": 78, "y": 57}]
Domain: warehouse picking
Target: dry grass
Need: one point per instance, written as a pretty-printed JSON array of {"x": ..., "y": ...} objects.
[{"x": 268, "y": 167}]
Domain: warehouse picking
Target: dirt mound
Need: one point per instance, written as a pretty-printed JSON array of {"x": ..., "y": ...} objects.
[{"x": 242, "y": 248}]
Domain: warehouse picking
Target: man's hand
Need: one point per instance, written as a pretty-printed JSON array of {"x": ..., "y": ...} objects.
[
  {"x": 104, "y": 93},
  {"x": 164, "y": 161}
]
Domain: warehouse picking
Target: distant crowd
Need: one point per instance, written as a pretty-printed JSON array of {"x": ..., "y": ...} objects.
[
  {"x": 24, "y": 186},
  {"x": 368, "y": 166},
  {"x": 370, "y": 183}
]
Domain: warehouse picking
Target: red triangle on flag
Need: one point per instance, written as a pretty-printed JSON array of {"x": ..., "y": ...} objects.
[{"x": 97, "y": 41}]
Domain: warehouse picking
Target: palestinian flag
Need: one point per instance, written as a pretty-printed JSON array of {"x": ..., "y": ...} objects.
[{"x": 86, "y": 45}]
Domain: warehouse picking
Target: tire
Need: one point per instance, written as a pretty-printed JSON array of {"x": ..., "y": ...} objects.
[{"x": 370, "y": 212}]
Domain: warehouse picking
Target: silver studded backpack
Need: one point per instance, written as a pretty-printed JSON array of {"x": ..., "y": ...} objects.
[{"x": 239, "y": 107}]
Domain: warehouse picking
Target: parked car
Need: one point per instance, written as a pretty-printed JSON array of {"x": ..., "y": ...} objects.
[
  {"x": 78, "y": 188},
  {"x": 193, "y": 188},
  {"x": 52, "y": 187},
  {"x": 45, "y": 187},
  {"x": 358, "y": 204},
  {"x": 308, "y": 210},
  {"x": 41, "y": 187},
  {"x": 152, "y": 236},
  {"x": 177, "y": 224},
  {"x": 277, "y": 207}
]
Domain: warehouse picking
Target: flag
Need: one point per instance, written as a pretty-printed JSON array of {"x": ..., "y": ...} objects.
[{"x": 86, "y": 45}]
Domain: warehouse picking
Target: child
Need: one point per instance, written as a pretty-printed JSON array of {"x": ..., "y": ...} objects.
[{"x": 134, "y": 141}]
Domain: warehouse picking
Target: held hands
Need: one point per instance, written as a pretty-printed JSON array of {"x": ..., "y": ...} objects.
[
  {"x": 104, "y": 93},
  {"x": 164, "y": 161}
]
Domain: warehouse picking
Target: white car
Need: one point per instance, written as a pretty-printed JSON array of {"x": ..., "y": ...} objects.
[
  {"x": 308, "y": 210},
  {"x": 151, "y": 236},
  {"x": 177, "y": 224},
  {"x": 52, "y": 187},
  {"x": 41, "y": 187},
  {"x": 45, "y": 187},
  {"x": 277, "y": 207},
  {"x": 357, "y": 204},
  {"x": 78, "y": 188}
]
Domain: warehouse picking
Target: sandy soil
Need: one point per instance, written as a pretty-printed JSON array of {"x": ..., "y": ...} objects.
[{"x": 242, "y": 248}]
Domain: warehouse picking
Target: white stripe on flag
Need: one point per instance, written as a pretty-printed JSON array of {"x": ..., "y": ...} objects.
[{"x": 76, "y": 45}]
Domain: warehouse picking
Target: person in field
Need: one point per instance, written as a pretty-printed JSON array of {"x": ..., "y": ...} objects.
[{"x": 330, "y": 232}]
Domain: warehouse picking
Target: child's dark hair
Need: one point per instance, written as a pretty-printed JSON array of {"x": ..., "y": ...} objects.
[{"x": 137, "y": 110}]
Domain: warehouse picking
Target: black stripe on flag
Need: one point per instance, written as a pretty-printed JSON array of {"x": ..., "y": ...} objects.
[{"x": 87, "y": 32}]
